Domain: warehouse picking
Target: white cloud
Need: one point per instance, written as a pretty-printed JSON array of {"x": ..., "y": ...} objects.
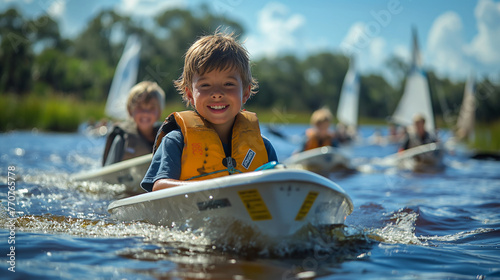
[
  {"x": 371, "y": 51},
  {"x": 57, "y": 8},
  {"x": 485, "y": 46},
  {"x": 278, "y": 30},
  {"x": 147, "y": 7},
  {"x": 450, "y": 55},
  {"x": 445, "y": 46},
  {"x": 403, "y": 52},
  {"x": 378, "y": 50},
  {"x": 355, "y": 40}
]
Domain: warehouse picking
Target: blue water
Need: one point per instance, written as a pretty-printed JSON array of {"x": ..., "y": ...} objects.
[{"x": 405, "y": 225}]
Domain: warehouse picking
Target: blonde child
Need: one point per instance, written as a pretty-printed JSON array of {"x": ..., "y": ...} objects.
[
  {"x": 217, "y": 138},
  {"x": 135, "y": 137},
  {"x": 319, "y": 134}
]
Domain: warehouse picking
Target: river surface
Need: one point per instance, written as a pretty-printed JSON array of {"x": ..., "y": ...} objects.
[{"x": 405, "y": 225}]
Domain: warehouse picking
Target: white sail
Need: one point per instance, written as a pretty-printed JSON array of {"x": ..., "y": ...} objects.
[
  {"x": 347, "y": 111},
  {"x": 124, "y": 79},
  {"x": 416, "y": 98},
  {"x": 466, "y": 117}
]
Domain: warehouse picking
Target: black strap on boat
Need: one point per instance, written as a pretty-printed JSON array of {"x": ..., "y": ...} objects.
[{"x": 117, "y": 131}]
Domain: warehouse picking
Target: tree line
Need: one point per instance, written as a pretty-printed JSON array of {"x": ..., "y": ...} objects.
[{"x": 35, "y": 59}]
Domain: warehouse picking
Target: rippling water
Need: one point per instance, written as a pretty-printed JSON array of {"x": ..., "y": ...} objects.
[{"x": 405, "y": 225}]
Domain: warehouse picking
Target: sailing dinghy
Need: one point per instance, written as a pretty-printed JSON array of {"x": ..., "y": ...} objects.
[
  {"x": 348, "y": 107},
  {"x": 416, "y": 99},
  {"x": 124, "y": 79},
  {"x": 322, "y": 160},
  {"x": 129, "y": 172},
  {"x": 464, "y": 129},
  {"x": 274, "y": 203},
  {"x": 467, "y": 115},
  {"x": 425, "y": 158}
]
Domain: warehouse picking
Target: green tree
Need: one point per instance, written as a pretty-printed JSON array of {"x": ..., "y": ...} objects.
[
  {"x": 16, "y": 54},
  {"x": 19, "y": 37},
  {"x": 95, "y": 43},
  {"x": 325, "y": 74},
  {"x": 378, "y": 99}
]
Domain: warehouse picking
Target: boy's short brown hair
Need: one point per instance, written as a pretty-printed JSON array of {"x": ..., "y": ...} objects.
[
  {"x": 321, "y": 115},
  {"x": 145, "y": 92},
  {"x": 219, "y": 51}
]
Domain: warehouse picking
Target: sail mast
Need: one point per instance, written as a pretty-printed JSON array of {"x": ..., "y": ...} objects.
[
  {"x": 466, "y": 117},
  {"x": 416, "y": 97},
  {"x": 124, "y": 79},
  {"x": 347, "y": 110}
]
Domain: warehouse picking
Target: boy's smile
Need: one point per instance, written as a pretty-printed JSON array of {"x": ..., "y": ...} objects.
[
  {"x": 218, "y": 97},
  {"x": 145, "y": 115}
]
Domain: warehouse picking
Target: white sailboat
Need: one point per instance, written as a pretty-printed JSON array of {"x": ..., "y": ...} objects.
[
  {"x": 129, "y": 172},
  {"x": 324, "y": 160},
  {"x": 124, "y": 79},
  {"x": 416, "y": 100},
  {"x": 347, "y": 110},
  {"x": 464, "y": 128},
  {"x": 467, "y": 115}
]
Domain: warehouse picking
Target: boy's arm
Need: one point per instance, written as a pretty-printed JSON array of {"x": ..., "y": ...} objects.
[
  {"x": 168, "y": 183},
  {"x": 271, "y": 153},
  {"x": 166, "y": 162}
]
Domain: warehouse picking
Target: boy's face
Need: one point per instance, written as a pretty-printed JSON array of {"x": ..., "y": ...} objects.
[
  {"x": 420, "y": 126},
  {"x": 145, "y": 115},
  {"x": 323, "y": 128},
  {"x": 218, "y": 96}
]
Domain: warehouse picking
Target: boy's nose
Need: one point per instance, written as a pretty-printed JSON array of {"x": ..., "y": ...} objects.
[{"x": 217, "y": 94}]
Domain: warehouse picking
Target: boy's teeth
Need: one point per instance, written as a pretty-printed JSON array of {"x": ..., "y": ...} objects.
[{"x": 218, "y": 107}]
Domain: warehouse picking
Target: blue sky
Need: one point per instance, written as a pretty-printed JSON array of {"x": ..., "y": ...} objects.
[{"x": 456, "y": 37}]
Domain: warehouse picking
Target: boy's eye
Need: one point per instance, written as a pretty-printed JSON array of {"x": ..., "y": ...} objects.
[{"x": 229, "y": 84}]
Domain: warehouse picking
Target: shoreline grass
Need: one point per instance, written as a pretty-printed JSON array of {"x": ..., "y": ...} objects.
[{"x": 54, "y": 113}]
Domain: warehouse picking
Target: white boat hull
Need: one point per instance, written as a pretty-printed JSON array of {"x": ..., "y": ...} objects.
[
  {"x": 128, "y": 172},
  {"x": 424, "y": 158},
  {"x": 321, "y": 160},
  {"x": 272, "y": 202},
  {"x": 426, "y": 161}
]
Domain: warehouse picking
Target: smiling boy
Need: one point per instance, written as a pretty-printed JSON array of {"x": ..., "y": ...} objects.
[{"x": 217, "y": 138}]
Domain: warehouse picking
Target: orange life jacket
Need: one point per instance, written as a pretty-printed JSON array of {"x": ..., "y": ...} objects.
[
  {"x": 203, "y": 155},
  {"x": 314, "y": 141}
]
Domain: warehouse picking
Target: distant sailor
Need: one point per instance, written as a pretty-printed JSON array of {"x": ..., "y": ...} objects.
[
  {"x": 135, "y": 137},
  {"x": 320, "y": 134},
  {"x": 419, "y": 136}
]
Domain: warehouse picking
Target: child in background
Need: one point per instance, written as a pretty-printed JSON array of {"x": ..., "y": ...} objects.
[
  {"x": 319, "y": 134},
  {"x": 217, "y": 138},
  {"x": 136, "y": 135},
  {"x": 420, "y": 136}
]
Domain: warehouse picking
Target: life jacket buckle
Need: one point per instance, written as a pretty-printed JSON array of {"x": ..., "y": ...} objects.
[{"x": 229, "y": 162}]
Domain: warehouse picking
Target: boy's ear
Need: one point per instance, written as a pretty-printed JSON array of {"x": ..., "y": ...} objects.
[
  {"x": 246, "y": 94},
  {"x": 189, "y": 95}
]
